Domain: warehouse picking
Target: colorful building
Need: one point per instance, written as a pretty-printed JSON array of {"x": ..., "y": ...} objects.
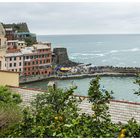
[
  {"x": 14, "y": 62},
  {"x": 15, "y": 56},
  {"x": 37, "y": 60},
  {"x": 2, "y": 37},
  {"x": 10, "y": 33},
  {"x": 16, "y": 44}
]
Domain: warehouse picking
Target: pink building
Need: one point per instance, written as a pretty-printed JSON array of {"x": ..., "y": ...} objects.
[{"x": 14, "y": 62}]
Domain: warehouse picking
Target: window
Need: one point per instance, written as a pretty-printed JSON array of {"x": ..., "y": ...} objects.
[
  {"x": 19, "y": 58},
  {"x": 40, "y": 62},
  {"x": 48, "y": 60},
  {"x": 14, "y": 64},
  {"x": 10, "y": 58},
  {"x": 20, "y": 69},
  {"x": 19, "y": 63},
  {"x": 33, "y": 62},
  {"x": 14, "y": 58},
  {"x": 25, "y": 69},
  {"x": 27, "y": 57},
  {"x": 28, "y": 63},
  {"x": 10, "y": 65}
]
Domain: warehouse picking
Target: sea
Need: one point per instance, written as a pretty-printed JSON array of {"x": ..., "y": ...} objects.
[{"x": 99, "y": 50}]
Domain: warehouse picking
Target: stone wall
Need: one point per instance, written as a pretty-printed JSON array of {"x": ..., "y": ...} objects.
[{"x": 120, "y": 111}]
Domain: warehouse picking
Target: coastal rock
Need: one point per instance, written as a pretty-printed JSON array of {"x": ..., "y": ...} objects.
[{"x": 60, "y": 57}]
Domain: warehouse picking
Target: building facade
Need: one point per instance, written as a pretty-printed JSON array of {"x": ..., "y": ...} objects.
[
  {"x": 29, "y": 61},
  {"x": 37, "y": 60},
  {"x": 14, "y": 62},
  {"x": 10, "y": 33},
  {"x": 2, "y": 37},
  {"x": 15, "y": 56}
]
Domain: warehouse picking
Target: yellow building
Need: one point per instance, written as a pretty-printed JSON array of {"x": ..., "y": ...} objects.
[
  {"x": 2, "y": 37},
  {"x": 2, "y": 59},
  {"x": 9, "y": 78}
]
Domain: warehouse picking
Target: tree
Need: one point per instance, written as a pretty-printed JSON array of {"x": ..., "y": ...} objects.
[
  {"x": 48, "y": 115},
  {"x": 100, "y": 100}
]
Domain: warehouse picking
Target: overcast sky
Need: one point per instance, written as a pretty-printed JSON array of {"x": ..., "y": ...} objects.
[{"x": 74, "y": 18}]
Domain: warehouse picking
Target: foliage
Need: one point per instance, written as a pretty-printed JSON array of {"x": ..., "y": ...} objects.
[
  {"x": 100, "y": 99},
  {"x": 56, "y": 114},
  {"x": 29, "y": 41},
  {"x": 9, "y": 110},
  {"x": 132, "y": 129},
  {"x": 137, "y": 81},
  {"x": 48, "y": 114},
  {"x": 6, "y": 96}
]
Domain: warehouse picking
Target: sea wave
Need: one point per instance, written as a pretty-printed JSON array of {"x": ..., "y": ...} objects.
[
  {"x": 103, "y": 53},
  {"x": 125, "y": 50},
  {"x": 88, "y": 54}
]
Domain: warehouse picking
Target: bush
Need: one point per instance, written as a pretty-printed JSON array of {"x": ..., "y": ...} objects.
[{"x": 9, "y": 110}]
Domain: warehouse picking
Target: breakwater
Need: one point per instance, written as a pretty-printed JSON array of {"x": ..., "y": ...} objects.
[
  {"x": 124, "y": 70},
  {"x": 92, "y": 72}
]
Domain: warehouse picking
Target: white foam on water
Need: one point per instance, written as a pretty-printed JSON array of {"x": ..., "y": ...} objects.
[
  {"x": 131, "y": 50},
  {"x": 114, "y": 51}
]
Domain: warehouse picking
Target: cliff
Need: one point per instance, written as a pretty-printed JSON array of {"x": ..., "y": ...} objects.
[
  {"x": 19, "y": 27},
  {"x": 60, "y": 57}
]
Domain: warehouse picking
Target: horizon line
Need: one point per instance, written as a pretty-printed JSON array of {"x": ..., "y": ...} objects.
[{"x": 94, "y": 34}]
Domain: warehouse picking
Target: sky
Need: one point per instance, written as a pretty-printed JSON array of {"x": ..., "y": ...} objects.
[{"x": 74, "y": 18}]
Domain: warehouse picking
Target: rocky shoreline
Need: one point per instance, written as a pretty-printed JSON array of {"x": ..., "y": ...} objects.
[{"x": 30, "y": 79}]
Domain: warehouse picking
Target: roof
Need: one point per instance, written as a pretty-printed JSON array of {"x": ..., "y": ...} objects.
[
  {"x": 41, "y": 46},
  {"x": 8, "y": 29},
  {"x": 12, "y": 41},
  {"x": 23, "y": 33},
  {"x": 26, "y": 33},
  {"x": 27, "y": 50},
  {"x": 13, "y": 54}
]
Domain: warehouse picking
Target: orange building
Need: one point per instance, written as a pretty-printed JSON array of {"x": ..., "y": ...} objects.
[{"x": 37, "y": 60}]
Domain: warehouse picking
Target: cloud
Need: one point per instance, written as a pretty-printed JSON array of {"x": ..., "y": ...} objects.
[{"x": 74, "y": 18}]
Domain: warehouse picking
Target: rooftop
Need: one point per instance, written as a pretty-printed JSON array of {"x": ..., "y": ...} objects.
[
  {"x": 8, "y": 29},
  {"x": 12, "y": 41},
  {"x": 41, "y": 46},
  {"x": 14, "y": 54},
  {"x": 27, "y": 50}
]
